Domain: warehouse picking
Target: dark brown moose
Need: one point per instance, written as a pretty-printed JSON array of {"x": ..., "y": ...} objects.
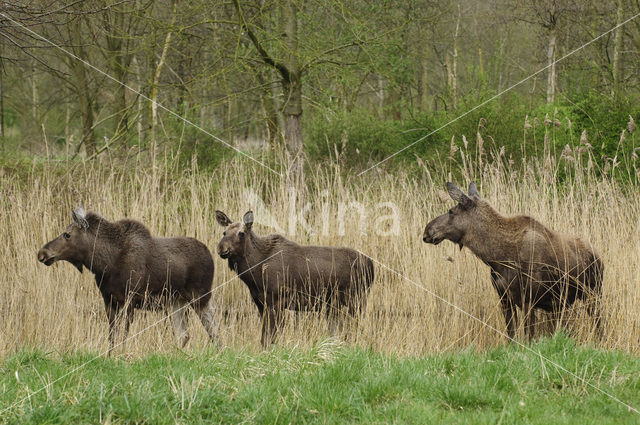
[
  {"x": 532, "y": 267},
  {"x": 136, "y": 270},
  {"x": 281, "y": 274}
]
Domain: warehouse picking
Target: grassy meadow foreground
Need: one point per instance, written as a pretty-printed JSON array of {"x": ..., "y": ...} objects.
[{"x": 325, "y": 383}]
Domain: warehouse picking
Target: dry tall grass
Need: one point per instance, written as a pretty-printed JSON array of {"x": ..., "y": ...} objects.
[{"x": 58, "y": 309}]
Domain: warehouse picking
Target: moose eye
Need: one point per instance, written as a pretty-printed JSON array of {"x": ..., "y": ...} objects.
[
  {"x": 241, "y": 235},
  {"x": 67, "y": 235},
  {"x": 451, "y": 211},
  {"x": 224, "y": 233}
]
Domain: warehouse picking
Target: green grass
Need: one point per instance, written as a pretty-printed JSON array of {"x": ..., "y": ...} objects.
[{"x": 327, "y": 384}]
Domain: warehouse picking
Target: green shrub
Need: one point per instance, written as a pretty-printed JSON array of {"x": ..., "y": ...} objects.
[
  {"x": 360, "y": 137},
  {"x": 506, "y": 124}
]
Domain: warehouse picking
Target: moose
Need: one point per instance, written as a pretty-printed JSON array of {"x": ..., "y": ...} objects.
[
  {"x": 281, "y": 274},
  {"x": 134, "y": 270},
  {"x": 532, "y": 267}
]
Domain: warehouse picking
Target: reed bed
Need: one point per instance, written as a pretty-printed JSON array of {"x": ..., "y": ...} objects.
[{"x": 60, "y": 310}]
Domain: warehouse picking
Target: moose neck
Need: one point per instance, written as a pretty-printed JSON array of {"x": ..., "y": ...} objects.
[
  {"x": 257, "y": 249},
  {"x": 105, "y": 243},
  {"x": 491, "y": 237}
]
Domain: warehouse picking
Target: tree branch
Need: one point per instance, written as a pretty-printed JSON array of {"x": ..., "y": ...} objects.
[{"x": 282, "y": 69}]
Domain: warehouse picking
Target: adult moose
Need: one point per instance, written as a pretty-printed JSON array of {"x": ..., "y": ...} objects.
[
  {"x": 281, "y": 274},
  {"x": 136, "y": 270},
  {"x": 531, "y": 265}
]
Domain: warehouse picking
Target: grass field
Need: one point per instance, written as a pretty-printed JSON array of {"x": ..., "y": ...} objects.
[
  {"x": 393, "y": 365},
  {"x": 326, "y": 383}
]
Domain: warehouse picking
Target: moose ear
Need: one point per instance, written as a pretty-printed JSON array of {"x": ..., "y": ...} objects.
[
  {"x": 455, "y": 193},
  {"x": 473, "y": 190},
  {"x": 222, "y": 219},
  {"x": 79, "y": 217},
  {"x": 458, "y": 196},
  {"x": 247, "y": 219}
]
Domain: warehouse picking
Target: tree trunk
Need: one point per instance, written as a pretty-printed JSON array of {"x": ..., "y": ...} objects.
[
  {"x": 423, "y": 80},
  {"x": 86, "y": 109},
  {"x": 153, "y": 96},
  {"x": 181, "y": 98},
  {"x": 122, "y": 121},
  {"x": 551, "y": 57},
  {"x": 119, "y": 60},
  {"x": 450, "y": 78},
  {"x": 276, "y": 90},
  {"x": 293, "y": 126},
  {"x": 481, "y": 69},
  {"x": 291, "y": 77},
  {"x": 67, "y": 129},
  {"x": 82, "y": 90},
  {"x": 451, "y": 64},
  {"x": 381, "y": 93},
  {"x": 140, "y": 107},
  {"x": 228, "y": 115},
  {"x": 617, "y": 48},
  {"x": 454, "y": 62},
  {"x": 1, "y": 97},
  {"x": 34, "y": 95},
  {"x": 270, "y": 110},
  {"x": 292, "y": 88}
]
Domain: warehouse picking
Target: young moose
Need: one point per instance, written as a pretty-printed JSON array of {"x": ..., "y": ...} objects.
[
  {"x": 281, "y": 274},
  {"x": 136, "y": 270},
  {"x": 531, "y": 266}
]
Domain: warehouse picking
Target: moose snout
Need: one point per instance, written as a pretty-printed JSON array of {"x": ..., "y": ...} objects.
[
  {"x": 426, "y": 236},
  {"x": 224, "y": 251},
  {"x": 45, "y": 257},
  {"x": 431, "y": 235}
]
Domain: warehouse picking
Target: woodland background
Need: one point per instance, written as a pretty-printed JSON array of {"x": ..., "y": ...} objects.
[{"x": 350, "y": 81}]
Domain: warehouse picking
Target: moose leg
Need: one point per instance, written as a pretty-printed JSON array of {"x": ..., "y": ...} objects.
[
  {"x": 558, "y": 317},
  {"x": 333, "y": 320},
  {"x": 358, "y": 304},
  {"x": 333, "y": 310},
  {"x": 178, "y": 313},
  {"x": 125, "y": 314},
  {"x": 112, "y": 309},
  {"x": 593, "y": 308},
  {"x": 508, "y": 307},
  {"x": 206, "y": 315},
  {"x": 510, "y": 315},
  {"x": 271, "y": 321},
  {"x": 529, "y": 320}
]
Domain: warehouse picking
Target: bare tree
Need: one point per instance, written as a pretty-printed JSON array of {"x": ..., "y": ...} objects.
[
  {"x": 290, "y": 73},
  {"x": 617, "y": 48},
  {"x": 84, "y": 93}
]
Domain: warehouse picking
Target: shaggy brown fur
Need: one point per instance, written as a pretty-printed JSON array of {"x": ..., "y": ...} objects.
[
  {"x": 136, "y": 270},
  {"x": 531, "y": 266},
  {"x": 281, "y": 274}
]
